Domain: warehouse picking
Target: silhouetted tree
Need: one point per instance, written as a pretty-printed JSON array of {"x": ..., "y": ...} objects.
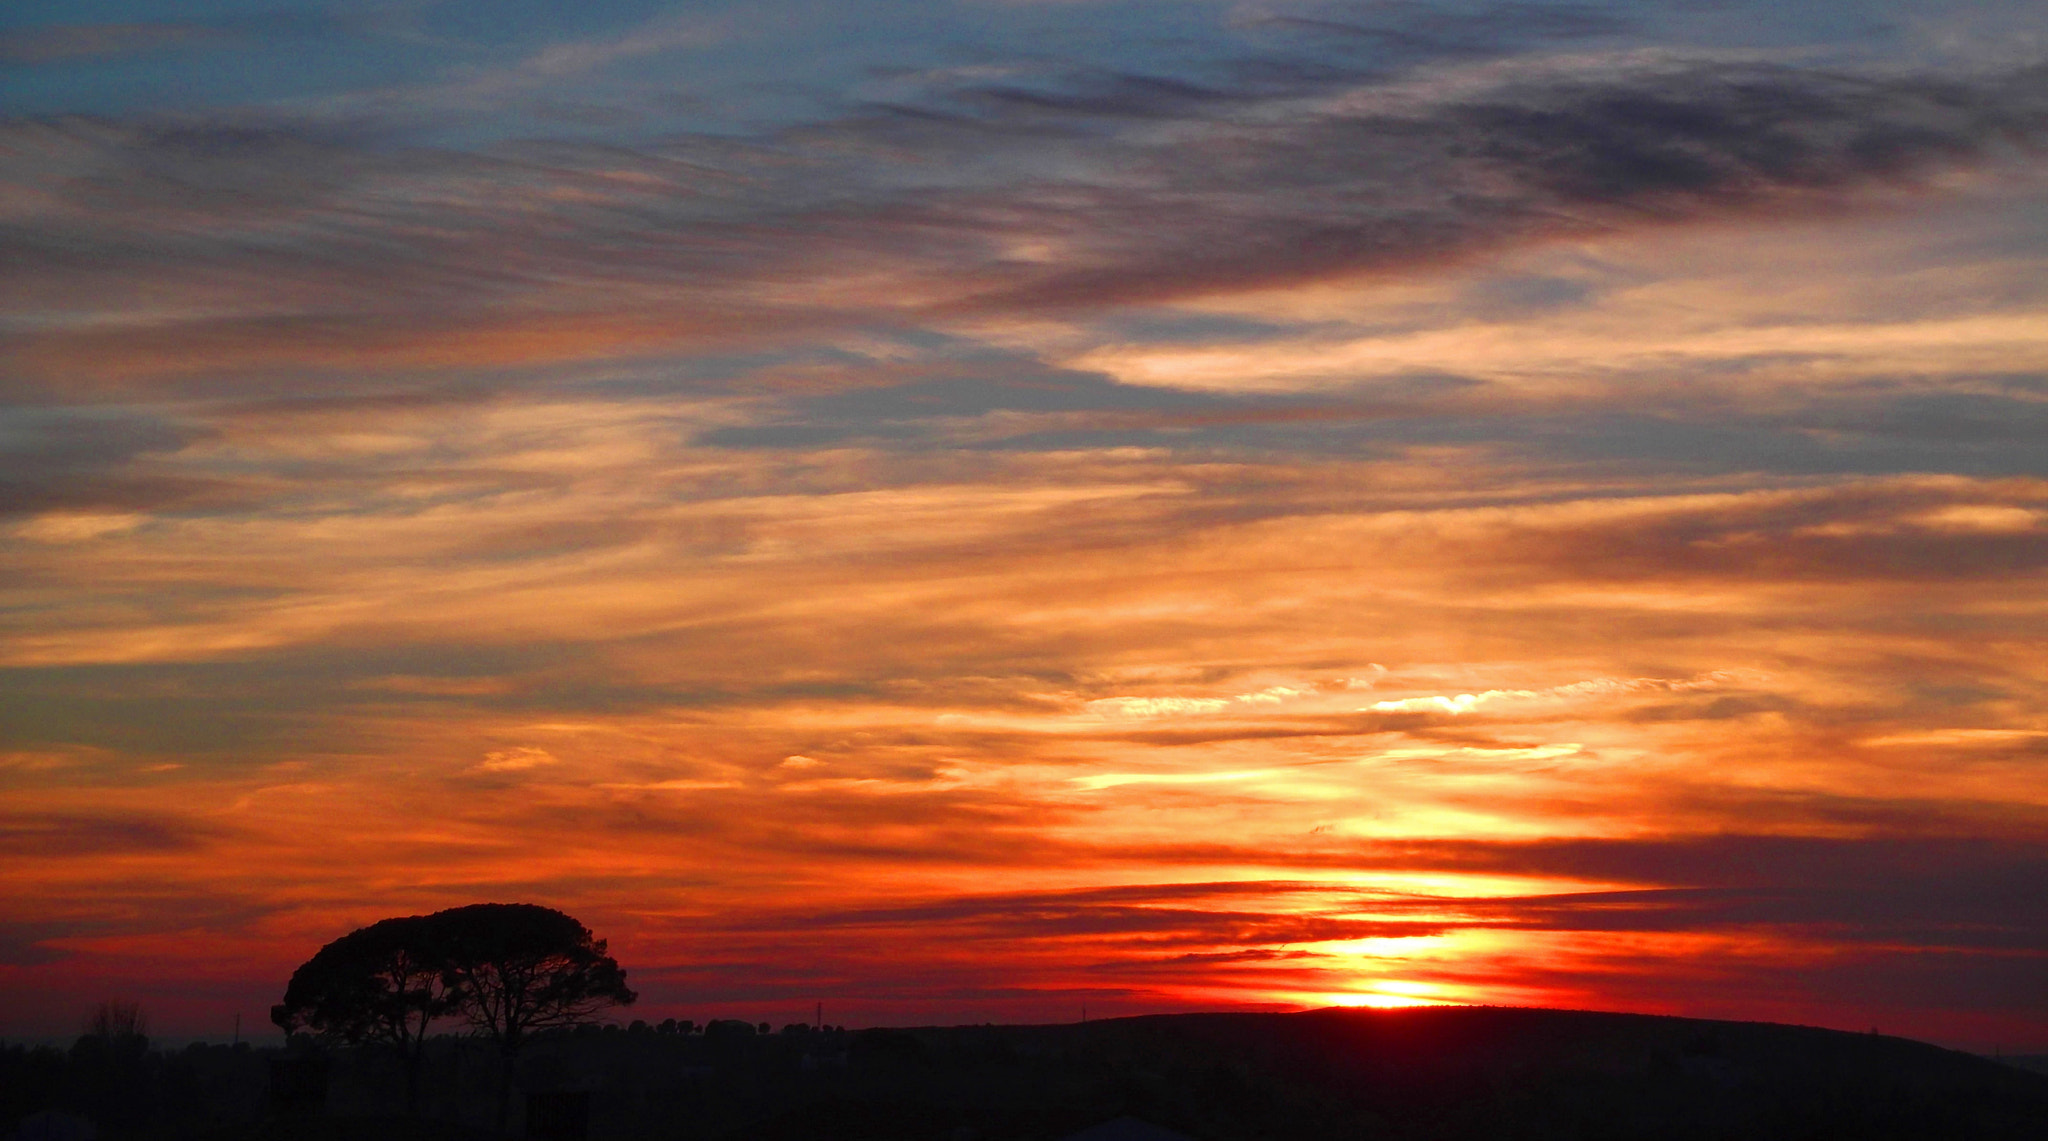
[
  {"x": 117, "y": 1019},
  {"x": 517, "y": 968},
  {"x": 728, "y": 1028},
  {"x": 109, "y": 1065},
  {"x": 385, "y": 983}
]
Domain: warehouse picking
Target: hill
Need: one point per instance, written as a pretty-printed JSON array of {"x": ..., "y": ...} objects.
[{"x": 1435, "y": 1074}]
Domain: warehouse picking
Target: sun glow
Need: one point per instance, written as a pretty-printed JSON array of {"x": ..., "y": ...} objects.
[{"x": 1388, "y": 994}]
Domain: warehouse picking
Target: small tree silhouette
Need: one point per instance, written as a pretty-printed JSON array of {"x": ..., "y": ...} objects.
[
  {"x": 117, "y": 1019},
  {"x": 383, "y": 983},
  {"x": 109, "y": 1066}
]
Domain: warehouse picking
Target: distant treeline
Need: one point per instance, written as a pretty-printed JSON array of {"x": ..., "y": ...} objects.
[
  {"x": 129, "y": 1090},
  {"x": 126, "y": 1089},
  {"x": 718, "y": 1027}
]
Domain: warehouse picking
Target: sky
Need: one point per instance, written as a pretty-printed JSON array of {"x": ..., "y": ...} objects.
[{"x": 960, "y": 510}]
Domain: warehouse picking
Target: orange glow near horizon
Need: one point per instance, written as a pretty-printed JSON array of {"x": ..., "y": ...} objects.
[{"x": 1392, "y": 994}]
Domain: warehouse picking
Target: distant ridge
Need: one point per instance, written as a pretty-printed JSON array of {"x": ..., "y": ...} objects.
[
  {"x": 1421, "y": 1074},
  {"x": 2033, "y": 1063}
]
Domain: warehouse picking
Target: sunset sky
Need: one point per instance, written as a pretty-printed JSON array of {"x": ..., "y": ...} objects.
[{"x": 959, "y": 509}]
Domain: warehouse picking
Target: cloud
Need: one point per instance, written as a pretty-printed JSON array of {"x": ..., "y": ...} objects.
[
  {"x": 1159, "y": 706},
  {"x": 75, "y": 527},
  {"x": 565, "y": 70},
  {"x": 79, "y": 463},
  {"x": 519, "y": 759},
  {"x": 22, "y": 946},
  {"x": 57, "y": 44},
  {"x": 1533, "y": 156},
  {"x": 329, "y": 252},
  {"x": 1462, "y": 703},
  {"x": 61, "y": 42},
  {"x": 49, "y": 835},
  {"x": 1592, "y": 687}
]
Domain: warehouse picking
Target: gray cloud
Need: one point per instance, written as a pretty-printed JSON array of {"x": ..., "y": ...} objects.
[
  {"x": 21, "y": 944},
  {"x": 1423, "y": 176},
  {"x": 336, "y": 243},
  {"x": 78, "y": 459},
  {"x": 56, "y": 43},
  {"x": 62, "y": 835},
  {"x": 59, "y": 43}
]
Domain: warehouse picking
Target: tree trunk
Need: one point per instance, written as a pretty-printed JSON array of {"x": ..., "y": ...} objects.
[
  {"x": 412, "y": 1082},
  {"x": 504, "y": 1090}
]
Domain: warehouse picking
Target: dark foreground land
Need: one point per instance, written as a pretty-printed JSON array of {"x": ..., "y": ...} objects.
[{"x": 1444, "y": 1073}]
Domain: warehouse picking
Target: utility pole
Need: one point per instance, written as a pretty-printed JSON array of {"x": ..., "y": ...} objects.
[
  {"x": 238, "y": 1027},
  {"x": 821, "y": 1016}
]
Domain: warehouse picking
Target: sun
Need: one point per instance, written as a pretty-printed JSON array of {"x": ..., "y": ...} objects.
[
  {"x": 1380, "y": 1001},
  {"x": 1386, "y": 994}
]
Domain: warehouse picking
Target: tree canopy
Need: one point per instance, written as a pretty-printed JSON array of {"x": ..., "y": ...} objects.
[
  {"x": 117, "y": 1019},
  {"x": 381, "y": 983},
  {"x": 384, "y": 983},
  {"x": 516, "y": 968},
  {"x": 507, "y": 969}
]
